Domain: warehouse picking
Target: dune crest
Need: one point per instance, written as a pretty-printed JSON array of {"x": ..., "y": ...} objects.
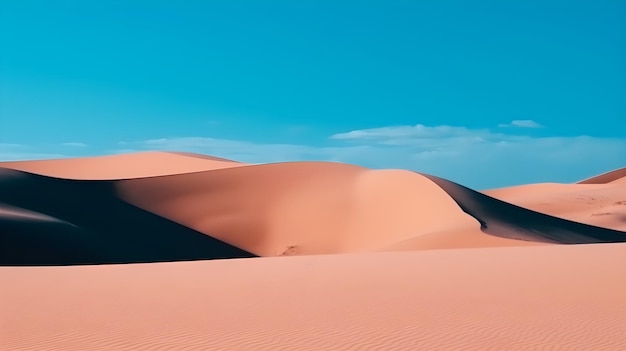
[
  {"x": 111, "y": 210},
  {"x": 507, "y": 220},
  {"x": 602, "y": 204},
  {"x": 618, "y": 175},
  {"x": 389, "y": 259},
  {"x": 302, "y": 207},
  {"x": 122, "y": 166}
]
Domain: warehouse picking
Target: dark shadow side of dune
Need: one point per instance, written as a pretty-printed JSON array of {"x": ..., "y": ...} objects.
[
  {"x": 91, "y": 225},
  {"x": 605, "y": 177},
  {"x": 506, "y": 220}
]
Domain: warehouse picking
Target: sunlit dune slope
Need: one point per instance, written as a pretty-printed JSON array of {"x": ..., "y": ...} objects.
[
  {"x": 308, "y": 208},
  {"x": 507, "y": 220},
  {"x": 186, "y": 206},
  {"x": 602, "y": 205},
  {"x": 123, "y": 166}
]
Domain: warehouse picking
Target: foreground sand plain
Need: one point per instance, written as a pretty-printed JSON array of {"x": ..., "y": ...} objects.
[{"x": 93, "y": 249}]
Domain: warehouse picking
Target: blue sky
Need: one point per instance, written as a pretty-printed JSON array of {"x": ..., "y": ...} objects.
[{"x": 486, "y": 93}]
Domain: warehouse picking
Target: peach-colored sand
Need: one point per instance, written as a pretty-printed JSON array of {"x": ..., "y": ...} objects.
[
  {"x": 285, "y": 208},
  {"x": 618, "y": 175},
  {"x": 597, "y": 204},
  {"x": 496, "y": 282},
  {"x": 531, "y": 298},
  {"x": 123, "y": 166},
  {"x": 301, "y": 208},
  {"x": 307, "y": 207}
]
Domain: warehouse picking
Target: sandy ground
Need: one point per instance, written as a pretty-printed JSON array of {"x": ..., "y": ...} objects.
[
  {"x": 127, "y": 252},
  {"x": 549, "y": 298}
]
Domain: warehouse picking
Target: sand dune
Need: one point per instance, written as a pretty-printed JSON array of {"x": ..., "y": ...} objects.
[
  {"x": 307, "y": 208},
  {"x": 238, "y": 210},
  {"x": 45, "y": 221},
  {"x": 618, "y": 175},
  {"x": 123, "y": 166},
  {"x": 498, "y": 279},
  {"x": 316, "y": 207},
  {"x": 510, "y": 221},
  {"x": 532, "y": 298},
  {"x": 602, "y": 205}
]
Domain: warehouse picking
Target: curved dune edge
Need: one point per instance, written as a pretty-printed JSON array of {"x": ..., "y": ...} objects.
[
  {"x": 12, "y": 213},
  {"x": 551, "y": 297},
  {"x": 457, "y": 239},
  {"x": 123, "y": 166},
  {"x": 616, "y": 175},
  {"x": 239, "y": 210},
  {"x": 506, "y": 220},
  {"x": 202, "y": 156},
  {"x": 601, "y": 205},
  {"x": 304, "y": 208},
  {"x": 49, "y": 221}
]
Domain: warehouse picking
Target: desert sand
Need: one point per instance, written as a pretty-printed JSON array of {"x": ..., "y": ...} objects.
[
  {"x": 598, "y": 201},
  {"x": 163, "y": 250},
  {"x": 134, "y": 165}
]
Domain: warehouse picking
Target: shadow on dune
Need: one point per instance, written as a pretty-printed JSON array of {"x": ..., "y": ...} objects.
[
  {"x": 65, "y": 222},
  {"x": 506, "y": 220},
  {"x": 605, "y": 177}
]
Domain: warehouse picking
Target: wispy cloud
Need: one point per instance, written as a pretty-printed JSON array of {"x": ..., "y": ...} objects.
[
  {"x": 411, "y": 135},
  {"x": 75, "y": 144},
  {"x": 401, "y": 132},
  {"x": 18, "y": 152},
  {"x": 521, "y": 123},
  {"x": 246, "y": 151},
  {"x": 485, "y": 158},
  {"x": 478, "y": 158}
]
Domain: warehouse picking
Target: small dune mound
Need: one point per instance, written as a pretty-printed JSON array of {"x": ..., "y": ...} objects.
[
  {"x": 510, "y": 221},
  {"x": 593, "y": 204},
  {"x": 618, "y": 176}
]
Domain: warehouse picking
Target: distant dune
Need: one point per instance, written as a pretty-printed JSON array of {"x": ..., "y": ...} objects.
[
  {"x": 418, "y": 262},
  {"x": 124, "y": 166},
  {"x": 617, "y": 176},
  {"x": 597, "y": 204},
  {"x": 504, "y": 219}
]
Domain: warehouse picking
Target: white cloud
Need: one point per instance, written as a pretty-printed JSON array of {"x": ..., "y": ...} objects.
[
  {"x": 429, "y": 137},
  {"x": 398, "y": 132},
  {"x": 477, "y": 158},
  {"x": 522, "y": 123},
  {"x": 483, "y": 158},
  {"x": 75, "y": 144},
  {"x": 18, "y": 152},
  {"x": 247, "y": 151}
]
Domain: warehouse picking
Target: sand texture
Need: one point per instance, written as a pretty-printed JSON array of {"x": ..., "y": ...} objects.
[{"x": 179, "y": 251}]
